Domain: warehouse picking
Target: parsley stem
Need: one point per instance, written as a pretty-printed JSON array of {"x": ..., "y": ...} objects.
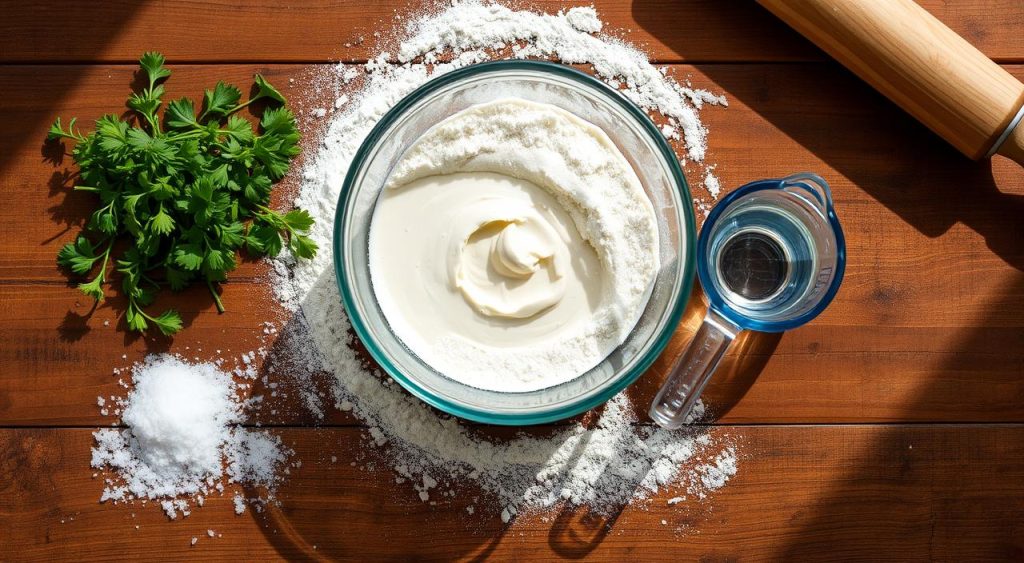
[
  {"x": 240, "y": 106},
  {"x": 216, "y": 298},
  {"x": 106, "y": 256},
  {"x": 139, "y": 311},
  {"x": 185, "y": 135},
  {"x": 154, "y": 123},
  {"x": 271, "y": 215}
]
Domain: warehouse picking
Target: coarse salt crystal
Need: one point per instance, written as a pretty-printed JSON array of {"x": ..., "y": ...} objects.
[{"x": 182, "y": 426}]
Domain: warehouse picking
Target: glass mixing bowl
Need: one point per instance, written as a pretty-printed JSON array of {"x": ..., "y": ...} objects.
[{"x": 643, "y": 146}]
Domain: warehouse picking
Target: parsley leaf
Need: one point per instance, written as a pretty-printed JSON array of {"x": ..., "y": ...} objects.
[
  {"x": 161, "y": 223},
  {"x": 57, "y": 131},
  {"x": 298, "y": 220},
  {"x": 79, "y": 256},
  {"x": 181, "y": 114},
  {"x": 144, "y": 103},
  {"x": 167, "y": 322},
  {"x": 266, "y": 90},
  {"x": 189, "y": 256},
  {"x": 93, "y": 288},
  {"x": 153, "y": 64},
  {"x": 221, "y": 100},
  {"x": 185, "y": 200},
  {"x": 264, "y": 240},
  {"x": 302, "y": 246},
  {"x": 239, "y": 129}
]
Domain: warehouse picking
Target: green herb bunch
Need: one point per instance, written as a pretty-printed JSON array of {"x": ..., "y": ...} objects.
[{"x": 186, "y": 194}]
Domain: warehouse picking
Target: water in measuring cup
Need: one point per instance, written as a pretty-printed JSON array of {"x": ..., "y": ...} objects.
[{"x": 764, "y": 258}]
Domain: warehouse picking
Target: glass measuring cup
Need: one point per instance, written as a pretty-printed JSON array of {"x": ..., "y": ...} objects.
[{"x": 770, "y": 258}]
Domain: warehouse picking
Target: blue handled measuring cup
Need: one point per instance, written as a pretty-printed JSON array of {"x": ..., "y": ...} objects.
[{"x": 770, "y": 258}]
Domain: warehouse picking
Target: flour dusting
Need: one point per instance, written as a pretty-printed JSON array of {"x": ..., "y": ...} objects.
[{"x": 613, "y": 461}]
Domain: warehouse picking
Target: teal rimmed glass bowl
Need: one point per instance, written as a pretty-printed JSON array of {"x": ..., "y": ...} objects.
[{"x": 640, "y": 142}]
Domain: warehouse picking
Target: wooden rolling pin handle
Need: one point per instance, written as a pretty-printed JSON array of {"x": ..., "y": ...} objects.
[{"x": 922, "y": 65}]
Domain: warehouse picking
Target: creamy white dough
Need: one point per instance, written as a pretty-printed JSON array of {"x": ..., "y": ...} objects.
[{"x": 513, "y": 247}]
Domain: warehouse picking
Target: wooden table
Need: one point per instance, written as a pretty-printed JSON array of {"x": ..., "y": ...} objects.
[{"x": 890, "y": 428}]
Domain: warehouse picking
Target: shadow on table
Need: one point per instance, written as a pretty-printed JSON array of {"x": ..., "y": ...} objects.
[
  {"x": 359, "y": 516},
  {"x": 188, "y": 303},
  {"x": 965, "y": 509},
  {"x": 330, "y": 512},
  {"x": 920, "y": 178},
  {"x": 90, "y": 38},
  {"x": 738, "y": 371},
  {"x": 930, "y": 186}
]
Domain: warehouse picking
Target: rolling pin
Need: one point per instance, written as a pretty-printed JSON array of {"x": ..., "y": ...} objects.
[{"x": 920, "y": 64}]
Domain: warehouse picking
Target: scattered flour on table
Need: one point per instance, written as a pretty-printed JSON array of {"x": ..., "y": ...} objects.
[
  {"x": 471, "y": 29},
  {"x": 606, "y": 464},
  {"x": 715, "y": 475},
  {"x": 712, "y": 183},
  {"x": 183, "y": 439}
]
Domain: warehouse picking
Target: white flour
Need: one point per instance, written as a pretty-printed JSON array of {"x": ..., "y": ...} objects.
[
  {"x": 605, "y": 465},
  {"x": 588, "y": 207},
  {"x": 570, "y": 37},
  {"x": 183, "y": 428}
]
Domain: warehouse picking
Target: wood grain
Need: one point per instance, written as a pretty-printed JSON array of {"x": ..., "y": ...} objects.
[
  {"x": 928, "y": 326},
  {"x": 58, "y": 363},
  {"x": 696, "y": 31},
  {"x": 906, "y": 493}
]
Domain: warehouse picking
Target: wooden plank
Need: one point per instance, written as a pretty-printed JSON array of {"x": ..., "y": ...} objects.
[
  {"x": 782, "y": 118},
  {"x": 698, "y": 31},
  {"x": 120, "y": 31},
  {"x": 876, "y": 493},
  {"x": 59, "y": 362},
  {"x": 929, "y": 324}
]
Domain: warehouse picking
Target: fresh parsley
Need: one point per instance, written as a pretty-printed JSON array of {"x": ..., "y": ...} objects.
[{"x": 185, "y": 194}]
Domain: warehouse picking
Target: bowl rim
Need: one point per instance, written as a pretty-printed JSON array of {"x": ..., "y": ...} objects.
[{"x": 689, "y": 245}]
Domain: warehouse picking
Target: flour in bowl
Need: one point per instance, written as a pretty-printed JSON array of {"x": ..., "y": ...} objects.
[
  {"x": 613, "y": 461},
  {"x": 513, "y": 247}
]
